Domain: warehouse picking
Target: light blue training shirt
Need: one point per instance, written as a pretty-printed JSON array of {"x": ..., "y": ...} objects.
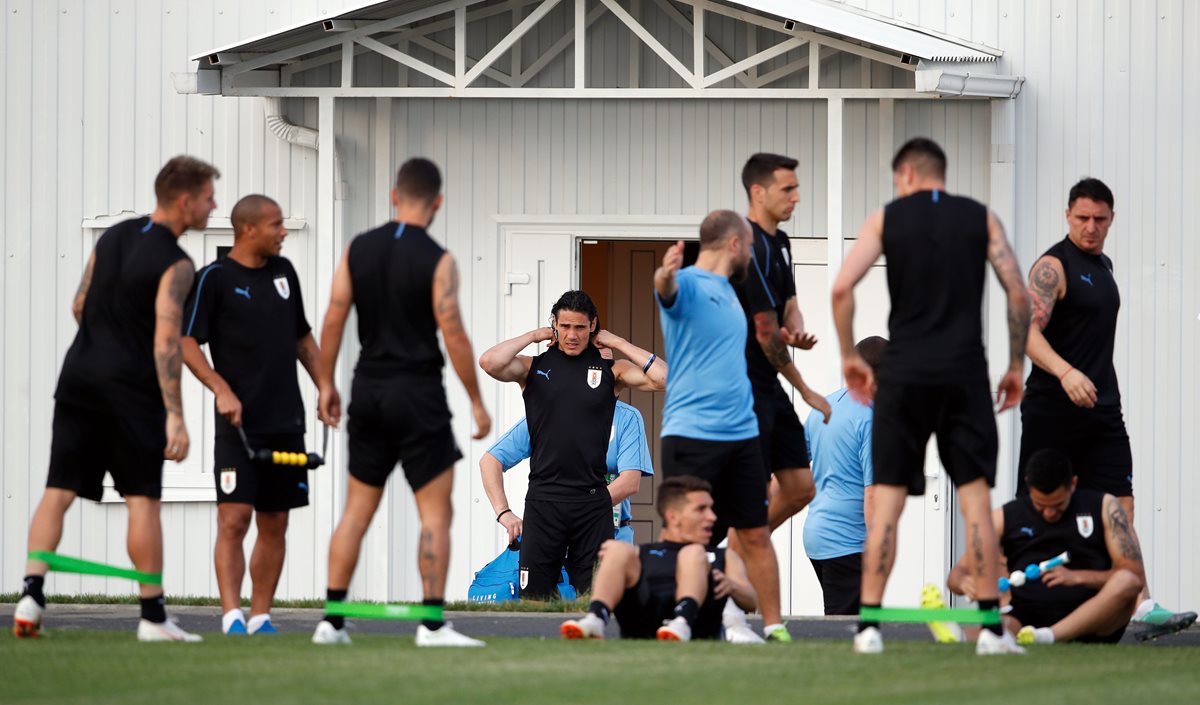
[
  {"x": 627, "y": 449},
  {"x": 708, "y": 389},
  {"x": 840, "y": 452}
]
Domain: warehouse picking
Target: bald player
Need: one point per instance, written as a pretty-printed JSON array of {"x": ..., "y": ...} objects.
[{"x": 248, "y": 309}]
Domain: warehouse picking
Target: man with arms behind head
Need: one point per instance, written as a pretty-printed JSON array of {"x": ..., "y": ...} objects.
[
  {"x": 248, "y": 308},
  {"x": 934, "y": 376},
  {"x": 673, "y": 590},
  {"x": 709, "y": 429},
  {"x": 405, "y": 289},
  {"x": 118, "y": 407},
  {"x": 1072, "y": 398},
  {"x": 1094, "y": 595}
]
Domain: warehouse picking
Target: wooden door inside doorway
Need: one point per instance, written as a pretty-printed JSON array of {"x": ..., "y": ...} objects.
[{"x": 619, "y": 276}]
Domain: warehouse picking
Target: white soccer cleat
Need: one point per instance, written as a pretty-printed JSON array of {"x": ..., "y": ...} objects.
[
  {"x": 589, "y": 626},
  {"x": 165, "y": 631},
  {"x": 27, "y": 618},
  {"x": 991, "y": 645},
  {"x": 737, "y": 629},
  {"x": 327, "y": 634},
  {"x": 676, "y": 629},
  {"x": 868, "y": 641},
  {"x": 446, "y": 636}
]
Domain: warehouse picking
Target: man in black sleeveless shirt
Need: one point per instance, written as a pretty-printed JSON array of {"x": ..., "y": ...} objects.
[
  {"x": 934, "y": 376},
  {"x": 673, "y": 590},
  {"x": 570, "y": 394},
  {"x": 774, "y": 321},
  {"x": 118, "y": 407},
  {"x": 247, "y": 307},
  {"x": 1072, "y": 398},
  {"x": 405, "y": 289},
  {"x": 1093, "y": 596}
]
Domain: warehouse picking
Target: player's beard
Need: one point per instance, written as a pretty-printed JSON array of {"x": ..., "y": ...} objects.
[{"x": 739, "y": 273}]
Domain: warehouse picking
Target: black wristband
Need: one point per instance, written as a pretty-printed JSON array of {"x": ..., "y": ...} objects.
[{"x": 506, "y": 511}]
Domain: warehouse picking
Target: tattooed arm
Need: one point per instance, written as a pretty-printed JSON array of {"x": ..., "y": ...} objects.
[
  {"x": 173, "y": 289},
  {"x": 1008, "y": 272},
  {"x": 771, "y": 339},
  {"x": 458, "y": 345},
  {"x": 1121, "y": 538},
  {"x": 84, "y": 284},
  {"x": 1047, "y": 286}
]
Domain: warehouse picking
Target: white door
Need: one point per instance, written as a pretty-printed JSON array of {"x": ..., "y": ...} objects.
[
  {"x": 923, "y": 549},
  {"x": 539, "y": 267}
]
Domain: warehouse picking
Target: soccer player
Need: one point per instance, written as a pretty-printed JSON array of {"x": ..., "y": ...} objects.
[
  {"x": 626, "y": 462},
  {"x": 570, "y": 394},
  {"x": 709, "y": 429},
  {"x": 673, "y": 590},
  {"x": 836, "y": 526},
  {"x": 118, "y": 407},
  {"x": 1093, "y": 597},
  {"x": 768, "y": 296},
  {"x": 1072, "y": 398},
  {"x": 934, "y": 376},
  {"x": 247, "y": 307},
  {"x": 405, "y": 289}
]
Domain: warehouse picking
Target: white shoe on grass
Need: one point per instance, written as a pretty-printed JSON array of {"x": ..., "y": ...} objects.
[
  {"x": 676, "y": 629},
  {"x": 27, "y": 618},
  {"x": 164, "y": 631},
  {"x": 327, "y": 634},
  {"x": 445, "y": 636},
  {"x": 589, "y": 626},
  {"x": 868, "y": 641},
  {"x": 737, "y": 629},
  {"x": 991, "y": 645}
]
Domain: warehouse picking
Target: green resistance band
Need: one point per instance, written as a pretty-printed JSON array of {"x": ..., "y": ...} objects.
[
  {"x": 67, "y": 564},
  {"x": 362, "y": 610},
  {"x": 921, "y": 616}
]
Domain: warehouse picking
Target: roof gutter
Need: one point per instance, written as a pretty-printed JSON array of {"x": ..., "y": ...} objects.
[{"x": 954, "y": 80}]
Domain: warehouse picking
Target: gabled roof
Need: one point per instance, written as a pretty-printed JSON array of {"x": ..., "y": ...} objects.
[{"x": 850, "y": 24}]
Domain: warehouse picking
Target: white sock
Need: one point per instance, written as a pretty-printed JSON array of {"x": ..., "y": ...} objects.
[
  {"x": 770, "y": 628},
  {"x": 1144, "y": 607},
  {"x": 256, "y": 622},
  {"x": 233, "y": 615},
  {"x": 1043, "y": 635}
]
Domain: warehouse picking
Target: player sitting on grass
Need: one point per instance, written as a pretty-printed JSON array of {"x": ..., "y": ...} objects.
[
  {"x": 1092, "y": 600},
  {"x": 673, "y": 589}
]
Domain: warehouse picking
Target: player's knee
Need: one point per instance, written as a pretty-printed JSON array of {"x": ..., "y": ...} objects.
[
  {"x": 1128, "y": 583},
  {"x": 756, "y": 539},
  {"x": 233, "y": 523},
  {"x": 273, "y": 525}
]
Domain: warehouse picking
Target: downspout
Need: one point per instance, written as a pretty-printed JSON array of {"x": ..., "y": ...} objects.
[{"x": 301, "y": 137}]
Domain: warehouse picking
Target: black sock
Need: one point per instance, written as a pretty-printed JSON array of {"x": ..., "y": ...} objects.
[
  {"x": 331, "y": 595},
  {"x": 688, "y": 609},
  {"x": 154, "y": 609},
  {"x": 867, "y": 623},
  {"x": 599, "y": 609},
  {"x": 433, "y": 624},
  {"x": 992, "y": 606},
  {"x": 33, "y": 588}
]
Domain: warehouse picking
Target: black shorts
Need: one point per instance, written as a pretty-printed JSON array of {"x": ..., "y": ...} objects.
[
  {"x": 266, "y": 486},
  {"x": 780, "y": 432},
  {"x": 735, "y": 471},
  {"x": 1049, "y": 615},
  {"x": 1094, "y": 439},
  {"x": 404, "y": 420},
  {"x": 86, "y": 443},
  {"x": 841, "y": 582},
  {"x": 558, "y": 534},
  {"x": 959, "y": 414},
  {"x": 643, "y": 609}
]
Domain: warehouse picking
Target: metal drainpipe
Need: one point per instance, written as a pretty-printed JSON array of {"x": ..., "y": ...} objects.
[{"x": 301, "y": 137}]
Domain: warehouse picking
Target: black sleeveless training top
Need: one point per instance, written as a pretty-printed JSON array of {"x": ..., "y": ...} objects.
[
  {"x": 391, "y": 270},
  {"x": 936, "y": 249},
  {"x": 569, "y": 406},
  {"x": 658, "y": 571},
  {"x": 1082, "y": 328}
]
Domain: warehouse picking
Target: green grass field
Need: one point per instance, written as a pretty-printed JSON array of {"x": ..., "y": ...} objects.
[{"x": 109, "y": 667}]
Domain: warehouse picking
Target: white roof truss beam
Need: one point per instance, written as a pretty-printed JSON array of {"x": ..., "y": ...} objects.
[
  {"x": 710, "y": 46},
  {"x": 411, "y": 62},
  {"x": 446, "y": 52},
  {"x": 568, "y": 38},
  {"x": 761, "y": 57},
  {"x": 655, "y": 46},
  {"x": 513, "y": 37}
]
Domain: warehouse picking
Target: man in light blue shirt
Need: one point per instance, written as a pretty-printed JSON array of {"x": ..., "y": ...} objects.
[
  {"x": 628, "y": 460},
  {"x": 836, "y": 526},
  {"x": 709, "y": 427}
]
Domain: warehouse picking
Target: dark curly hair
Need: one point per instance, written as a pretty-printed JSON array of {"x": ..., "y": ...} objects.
[{"x": 579, "y": 302}]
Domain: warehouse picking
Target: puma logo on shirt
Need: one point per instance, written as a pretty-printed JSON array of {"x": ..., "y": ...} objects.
[
  {"x": 1087, "y": 278},
  {"x": 242, "y": 292},
  {"x": 544, "y": 373}
]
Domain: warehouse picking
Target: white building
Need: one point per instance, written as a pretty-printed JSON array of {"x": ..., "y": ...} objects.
[{"x": 568, "y": 167}]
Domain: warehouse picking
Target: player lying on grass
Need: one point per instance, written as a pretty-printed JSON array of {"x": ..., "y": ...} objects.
[
  {"x": 1095, "y": 597},
  {"x": 674, "y": 589}
]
